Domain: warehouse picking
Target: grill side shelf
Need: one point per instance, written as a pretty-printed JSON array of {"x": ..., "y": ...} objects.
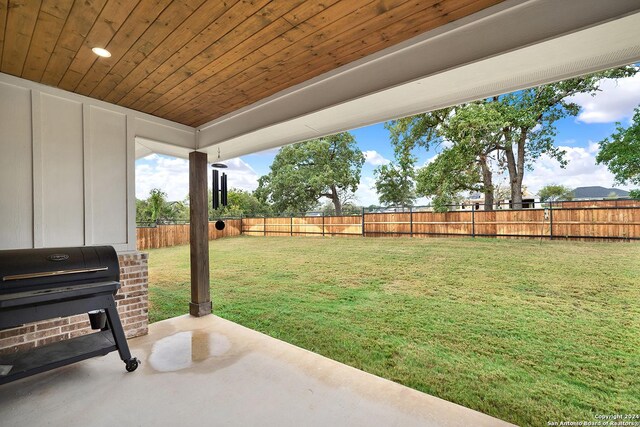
[{"x": 40, "y": 359}]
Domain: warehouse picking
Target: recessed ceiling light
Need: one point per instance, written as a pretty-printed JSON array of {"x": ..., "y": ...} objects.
[{"x": 101, "y": 52}]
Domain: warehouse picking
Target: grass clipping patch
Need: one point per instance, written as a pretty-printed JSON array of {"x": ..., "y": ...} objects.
[{"x": 523, "y": 330}]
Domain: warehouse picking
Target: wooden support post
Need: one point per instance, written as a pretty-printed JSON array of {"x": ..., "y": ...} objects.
[
  {"x": 410, "y": 221},
  {"x": 200, "y": 304},
  {"x": 322, "y": 224},
  {"x": 473, "y": 220},
  {"x": 264, "y": 225},
  {"x": 363, "y": 235},
  {"x": 550, "y": 220},
  {"x": 291, "y": 225}
]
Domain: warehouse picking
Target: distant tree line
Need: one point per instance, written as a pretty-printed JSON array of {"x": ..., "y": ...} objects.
[{"x": 156, "y": 208}]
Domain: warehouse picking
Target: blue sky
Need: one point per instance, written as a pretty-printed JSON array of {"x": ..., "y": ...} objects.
[{"x": 578, "y": 136}]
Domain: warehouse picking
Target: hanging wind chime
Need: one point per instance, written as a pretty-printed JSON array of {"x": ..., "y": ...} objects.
[{"x": 219, "y": 191}]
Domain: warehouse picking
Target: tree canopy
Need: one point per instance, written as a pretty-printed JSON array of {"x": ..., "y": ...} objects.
[
  {"x": 157, "y": 208},
  {"x": 621, "y": 152},
  {"x": 477, "y": 140},
  {"x": 553, "y": 192},
  {"x": 302, "y": 174},
  {"x": 240, "y": 202},
  {"x": 395, "y": 185}
]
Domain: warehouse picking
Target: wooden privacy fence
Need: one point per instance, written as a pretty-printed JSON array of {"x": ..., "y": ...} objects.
[
  {"x": 601, "y": 223},
  {"x": 598, "y": 222},
  {"x": 300, "y": 226},
  {"x": 164, "y": 235}
]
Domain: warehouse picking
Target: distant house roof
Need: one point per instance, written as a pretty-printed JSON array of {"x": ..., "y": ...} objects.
[{"x": 597, "y": 192}]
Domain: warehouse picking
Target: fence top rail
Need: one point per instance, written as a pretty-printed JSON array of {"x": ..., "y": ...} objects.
[
  {"x": 468, "y": 211},
  {"x": 524, "y": 202}
]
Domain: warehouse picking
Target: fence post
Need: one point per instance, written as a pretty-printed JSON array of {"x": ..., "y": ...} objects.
[
  {"x": 264, "y": 225},
  {"x": 363, "y": 221},
  {"x": 322, "y": 223},
  {"x": 291, "y": 224},
  {"x": 410, "y": 221},
  {"x": 550, "y": 220},
  {"x": 473, "y": 220},
  {"x": 241, "y": 226}
]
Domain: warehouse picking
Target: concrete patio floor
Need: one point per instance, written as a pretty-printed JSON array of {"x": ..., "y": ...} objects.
[{"x": 209, "y": 371}]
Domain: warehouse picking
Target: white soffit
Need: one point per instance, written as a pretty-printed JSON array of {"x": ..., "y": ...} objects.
[
  {"x": 511, "y": 46},
  {"x": 146, "y": 146}
]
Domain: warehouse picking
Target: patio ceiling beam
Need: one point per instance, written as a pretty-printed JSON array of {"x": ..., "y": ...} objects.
[{"x": 200, "y": 304}]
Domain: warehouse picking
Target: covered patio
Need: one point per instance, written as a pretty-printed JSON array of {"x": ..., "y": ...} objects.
[
  {"x": 214, "y": 372},
  {"x": 211, "y": 81}
]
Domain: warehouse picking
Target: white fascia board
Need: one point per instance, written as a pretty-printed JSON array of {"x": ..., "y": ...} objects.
[
  {"x": 513, "y": 45},
  {"x": 145, "y": 146},
  {"x": 168, "y": 134},
  {"x": 142, "y": 151}
]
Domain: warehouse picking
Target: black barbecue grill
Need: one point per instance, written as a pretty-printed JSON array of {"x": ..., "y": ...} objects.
[{"x": 39, "y": 284}]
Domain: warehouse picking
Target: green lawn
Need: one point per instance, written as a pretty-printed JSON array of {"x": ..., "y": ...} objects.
[{"x": 523, "y": 330}]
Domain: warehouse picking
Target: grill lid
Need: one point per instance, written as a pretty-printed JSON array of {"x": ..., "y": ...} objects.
[{"x": 28, "y": 269}]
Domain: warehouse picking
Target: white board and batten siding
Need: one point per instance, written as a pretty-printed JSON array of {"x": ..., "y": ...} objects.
[{"x": 67, "y": 165}]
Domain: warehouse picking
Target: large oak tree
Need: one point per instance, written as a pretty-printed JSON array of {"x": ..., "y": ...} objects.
[
  {"x": 302, "y": 174},
  {"x": 621, "y": 153},
  {"x": 482, "y": 138}
]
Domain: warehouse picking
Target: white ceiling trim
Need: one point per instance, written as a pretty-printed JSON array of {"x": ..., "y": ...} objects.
[{"x": 146, "y": 146}]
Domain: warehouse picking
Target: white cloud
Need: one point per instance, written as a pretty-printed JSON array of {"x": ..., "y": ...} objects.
[
  {"x": 446, "y": 143},
  {"x": 613, "y": 103},
  {"x": 374, "y": 158},
  {"x": 171, "y": 175},
  {"x": 581, "y": 170},
  {"x": 241, "y": 175},
  {"x": 430, "y": 160},
  {"x": 366, "y": 192}
]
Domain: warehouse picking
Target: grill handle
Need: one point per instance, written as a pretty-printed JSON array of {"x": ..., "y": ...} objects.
[{"x": 53, "y": 273}]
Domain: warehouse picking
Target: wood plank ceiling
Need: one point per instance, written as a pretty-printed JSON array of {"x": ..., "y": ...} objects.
[{"x": 192, "y": 61}]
